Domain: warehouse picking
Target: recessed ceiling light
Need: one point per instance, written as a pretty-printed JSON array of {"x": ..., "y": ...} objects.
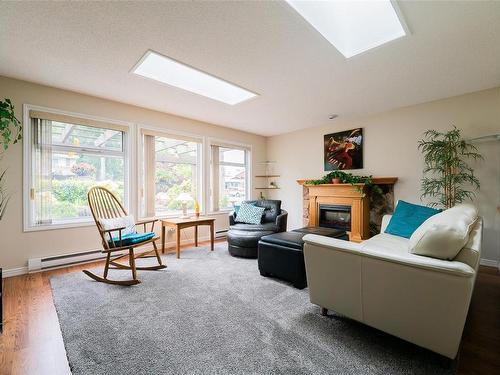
[
  {"x": 334, "y": 116},
  {"x": 353, "y": 26},
  {"x": 166, "y": 70}
]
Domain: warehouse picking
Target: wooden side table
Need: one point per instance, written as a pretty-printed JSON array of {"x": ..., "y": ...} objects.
[{"x": 178, "y": 224}]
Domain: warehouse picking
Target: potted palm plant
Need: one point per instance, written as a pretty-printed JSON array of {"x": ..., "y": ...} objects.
[{"x": 448, "y": 178}]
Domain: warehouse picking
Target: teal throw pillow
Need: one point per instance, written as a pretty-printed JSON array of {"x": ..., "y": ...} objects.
[
  {"x": 407, "y": 218},
  {"x": 249, "y": 214}
]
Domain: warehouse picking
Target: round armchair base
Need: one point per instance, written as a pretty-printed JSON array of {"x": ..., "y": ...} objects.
[
  {"x": 243, "y": 243},
  {"x": 243, "y": 252}
]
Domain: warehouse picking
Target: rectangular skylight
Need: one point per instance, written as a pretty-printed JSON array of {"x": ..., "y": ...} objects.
[
  {"x": 352, "y": 26},
  {"x": 173, "y": 73}
]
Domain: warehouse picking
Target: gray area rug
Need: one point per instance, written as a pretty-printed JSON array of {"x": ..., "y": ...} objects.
[{"x": 210, "y": 313}]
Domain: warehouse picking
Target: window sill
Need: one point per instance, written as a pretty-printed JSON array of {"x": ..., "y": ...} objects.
[
  {"x": 220, "y": 212},
  {"x": 81, "y": 224},
  {"x": 171, "y": 216}
]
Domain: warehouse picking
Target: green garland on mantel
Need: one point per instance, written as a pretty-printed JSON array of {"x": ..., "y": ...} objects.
[{"x": 349, "y": 178}]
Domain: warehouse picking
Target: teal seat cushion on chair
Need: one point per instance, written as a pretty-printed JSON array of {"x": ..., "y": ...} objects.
[
  {"x": 131, "y": 239},
  {"x": 407, "y": 218}
]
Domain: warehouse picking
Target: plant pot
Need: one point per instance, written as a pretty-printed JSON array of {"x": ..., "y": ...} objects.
[{"x": 336, "y": 180}]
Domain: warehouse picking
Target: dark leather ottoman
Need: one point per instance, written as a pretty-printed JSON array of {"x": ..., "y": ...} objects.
[{"x": 281, "y": 254}]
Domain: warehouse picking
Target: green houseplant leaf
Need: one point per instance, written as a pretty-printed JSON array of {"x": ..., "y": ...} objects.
[{"x": 10, "y": 133}]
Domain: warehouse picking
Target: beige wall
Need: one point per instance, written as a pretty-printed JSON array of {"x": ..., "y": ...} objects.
[
  {"x": 16, "y": 247},
  {"x": 390, "y": 149}
]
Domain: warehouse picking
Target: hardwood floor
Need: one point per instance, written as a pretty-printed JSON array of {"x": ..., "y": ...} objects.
[{"x": 32, "y": 341}]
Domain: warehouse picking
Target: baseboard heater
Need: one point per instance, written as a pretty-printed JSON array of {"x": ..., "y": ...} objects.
[
  {"x": 221, "y": 233},
  {"x": 58, "y": 261}
]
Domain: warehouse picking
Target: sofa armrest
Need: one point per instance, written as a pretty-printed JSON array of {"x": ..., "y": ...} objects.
[
  {"x": 232, "y": 218},
  {"x": 333, "y": 243},
  {"x": 281, "y": 221},
  {"x": 445, "y": 266}
]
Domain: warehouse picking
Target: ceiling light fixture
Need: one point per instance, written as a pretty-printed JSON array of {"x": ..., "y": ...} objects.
[
  {"x": 353, "y": 27},
  {"x": 166, "y": 70}
]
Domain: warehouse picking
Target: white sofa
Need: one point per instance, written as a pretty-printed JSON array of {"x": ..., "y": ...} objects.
[{"x": 380, "y": 283}]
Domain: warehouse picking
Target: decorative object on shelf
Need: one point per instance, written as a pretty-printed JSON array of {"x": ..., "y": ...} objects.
[
  {"x": 270, "y": 176},
  {"x": 196, "y": 208},
  {"x": 261, "y": 196},
  {"x": 446, "y": 172},
  {"x": 343, "y": 150},
  {"x": 184, "y": 198},
  {"x": 10, "y": 133}
]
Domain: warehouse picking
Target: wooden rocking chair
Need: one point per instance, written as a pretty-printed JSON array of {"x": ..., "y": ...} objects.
[{"x": 104, "y": 205}]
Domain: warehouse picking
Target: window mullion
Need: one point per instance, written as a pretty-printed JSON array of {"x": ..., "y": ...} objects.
[{"x": 149, "y": 180}]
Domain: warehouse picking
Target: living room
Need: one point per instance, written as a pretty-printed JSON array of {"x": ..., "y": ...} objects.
[{"x": 295, "y": 205}]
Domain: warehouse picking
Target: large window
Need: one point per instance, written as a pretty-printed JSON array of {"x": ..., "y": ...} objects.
[
  {"x": 66, "y": 159},
  {"x": 229, "y": 176},
  {"x": 172, "y": 166}
]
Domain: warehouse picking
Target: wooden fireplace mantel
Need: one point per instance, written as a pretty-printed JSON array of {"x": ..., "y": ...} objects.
[
  {"x": 352, "y": 195},
  {"x": 376, "y": 181}
]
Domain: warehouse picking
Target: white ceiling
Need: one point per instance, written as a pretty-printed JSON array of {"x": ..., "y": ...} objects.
[{"x": 265, "y": 47}]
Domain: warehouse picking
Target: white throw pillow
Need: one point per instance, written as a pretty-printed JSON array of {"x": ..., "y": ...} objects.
[
  {"x": 118, "y": 222},
  {"x": 443, "y": 235}
]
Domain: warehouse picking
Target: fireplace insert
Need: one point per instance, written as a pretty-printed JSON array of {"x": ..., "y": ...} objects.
[{"x": 335, "y": 216}]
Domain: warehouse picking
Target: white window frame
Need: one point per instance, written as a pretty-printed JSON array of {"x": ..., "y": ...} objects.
[
  {"x": 27, "y": 166},
  {"x": 248, "y": 164},
  {"x": 201, "y": 161}
]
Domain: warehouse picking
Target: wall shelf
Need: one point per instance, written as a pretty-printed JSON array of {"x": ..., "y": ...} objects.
[
  {"x": 267, "y": 188},
  {"x": 268, "y": 175}
]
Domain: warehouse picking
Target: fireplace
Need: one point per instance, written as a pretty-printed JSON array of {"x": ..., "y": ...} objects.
[
  {"x": 335, "y": 216},
  {"x": 350, "y": 205}
]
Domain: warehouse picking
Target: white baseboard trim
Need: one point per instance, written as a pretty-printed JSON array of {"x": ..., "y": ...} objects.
[
  {"x": 489, "y": 263},
  {"x": 14, "y": 272},
  {"x": 169, "y": 247}
]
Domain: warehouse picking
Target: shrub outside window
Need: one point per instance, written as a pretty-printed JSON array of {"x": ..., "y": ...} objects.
[
  {"x": 172, "y": 165},
  {"x": 66, "y": 160}
]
